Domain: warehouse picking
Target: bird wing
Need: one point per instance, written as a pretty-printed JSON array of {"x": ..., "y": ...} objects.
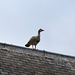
[{"x": 34, "y": 40}]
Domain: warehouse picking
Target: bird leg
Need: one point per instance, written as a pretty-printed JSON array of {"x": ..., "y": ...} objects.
[
  {"x": 32, "y": 46},
  {"x": 35, "y": 46}
]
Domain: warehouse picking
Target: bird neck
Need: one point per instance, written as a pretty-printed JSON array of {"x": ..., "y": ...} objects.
[{"x": 38, "y": 33}]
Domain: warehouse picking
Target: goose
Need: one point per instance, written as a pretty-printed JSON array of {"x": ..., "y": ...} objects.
[{"x": 34, "y": 40}]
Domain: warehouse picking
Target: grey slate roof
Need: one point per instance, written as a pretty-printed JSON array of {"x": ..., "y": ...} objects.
[{"x": 16, "y": 60}]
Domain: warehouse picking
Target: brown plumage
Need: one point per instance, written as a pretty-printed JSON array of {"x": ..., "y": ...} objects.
[
  {"x": 34, "y": 40},
  {"x": 27, "y": 45}
]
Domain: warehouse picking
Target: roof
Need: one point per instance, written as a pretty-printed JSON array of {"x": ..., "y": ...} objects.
[{"x": 16, "y": 60}]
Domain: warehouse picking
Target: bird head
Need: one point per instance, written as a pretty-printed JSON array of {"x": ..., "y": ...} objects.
[{"x": 40, "y": 30}]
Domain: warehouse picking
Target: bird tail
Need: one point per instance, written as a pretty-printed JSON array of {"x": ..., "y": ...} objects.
[{"x": 27, "y": 45}]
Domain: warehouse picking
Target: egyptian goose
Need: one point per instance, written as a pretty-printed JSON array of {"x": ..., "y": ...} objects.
[{"x": 34, "y": 40}]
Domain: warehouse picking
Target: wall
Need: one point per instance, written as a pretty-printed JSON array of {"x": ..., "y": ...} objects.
[{"x": 16, "y": 60}]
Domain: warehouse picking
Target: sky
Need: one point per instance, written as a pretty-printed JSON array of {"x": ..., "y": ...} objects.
[{"x": 21, "y": 19}]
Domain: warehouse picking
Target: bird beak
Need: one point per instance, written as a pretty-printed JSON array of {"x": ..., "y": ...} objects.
[{"x": 42, "y": 30}]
